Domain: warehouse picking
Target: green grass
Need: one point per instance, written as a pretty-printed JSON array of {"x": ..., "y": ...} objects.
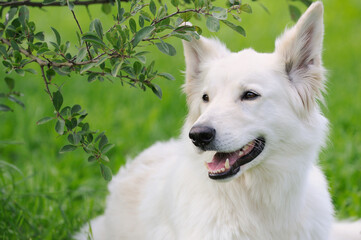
[{"x": 46, "y": 195}]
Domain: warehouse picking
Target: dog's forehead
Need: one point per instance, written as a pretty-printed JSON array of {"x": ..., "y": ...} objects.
[{"x": 244, "y": 67}]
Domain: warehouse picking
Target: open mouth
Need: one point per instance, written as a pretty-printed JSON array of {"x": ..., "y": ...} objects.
[{"x": 225, "y": 165}]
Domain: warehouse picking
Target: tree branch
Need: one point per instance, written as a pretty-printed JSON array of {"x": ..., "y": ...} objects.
[
  {"x": 53, "y": 4},
  {"x": 42, "y": 62}
]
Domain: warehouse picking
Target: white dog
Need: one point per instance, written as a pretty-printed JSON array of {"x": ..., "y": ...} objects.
[{"x": 249, "y": 170}]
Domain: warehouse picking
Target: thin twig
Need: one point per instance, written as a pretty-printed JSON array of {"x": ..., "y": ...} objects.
[
  {"x": 53, "y": 4},
  {"x": 81, "y": 32},
  {"x": 47, "y": 90}
]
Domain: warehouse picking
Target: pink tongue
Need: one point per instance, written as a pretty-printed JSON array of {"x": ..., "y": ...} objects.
[{"x": 219, "y": 160}]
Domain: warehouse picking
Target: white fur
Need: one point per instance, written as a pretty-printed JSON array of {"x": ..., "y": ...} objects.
[{"x": 165, "y": 193}]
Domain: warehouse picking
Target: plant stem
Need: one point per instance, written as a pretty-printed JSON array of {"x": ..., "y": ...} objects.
[{"x": 53, "y": 4}]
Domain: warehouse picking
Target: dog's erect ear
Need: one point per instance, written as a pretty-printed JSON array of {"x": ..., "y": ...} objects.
[
  {"x": 198, "y": 52},
  {"x": 300, "y": 49}
]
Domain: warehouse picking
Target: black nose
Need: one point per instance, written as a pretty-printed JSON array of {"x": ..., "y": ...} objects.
[{"x": 202, "y": 135}]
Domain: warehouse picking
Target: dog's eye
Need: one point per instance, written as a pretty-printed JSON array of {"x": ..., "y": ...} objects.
[
  {"x": 205, "y": 98},
  {"x": 250, "y": 95}
]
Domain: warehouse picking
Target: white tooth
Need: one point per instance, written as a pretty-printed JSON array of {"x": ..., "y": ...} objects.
[
  {"x": 205, "y": 164},
  {"x": 226, "y": 165},
  {"x": 241, "y": 153},
  {"x": 245, "y": 148},
  {"x": 222, "y": 170}
]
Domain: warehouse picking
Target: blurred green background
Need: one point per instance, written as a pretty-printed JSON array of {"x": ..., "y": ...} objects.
[{"x": 50, "y": 195}]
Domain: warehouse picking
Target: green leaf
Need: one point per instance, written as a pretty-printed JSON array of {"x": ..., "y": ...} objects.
[
  {"x": 15, "y": 100},
  {"x": 90, "y": 37},
  {"x": 14, "y": 45},
  {"x": 107, "y": 147},
  {"x": 83, "y": 115},
  {"x": 106, "y": 172},
  {"x": 74, "y": 138},
  {"x": 141, "y": 34},
  {"x": 182, "y": 36},
  {"x": 246, "y": 8},
  {"x": 103, "y": 141},
  {"x": 236, "y": 28},
  {"x": 75, "y": 109},
  {"x": 7, "y": 64},
  {"x": 92, "y": 77},
  {"x": 132, "y": 25},
  {"x": 106, "y": 8},
  {"x": 70, "y": 5},
  {"x": 65, "y": 112},
  {"x": 57, "y": 100},
  {"x": 10, "y": 83},
  {"x": 212, "y": 24},
  {"x": 10, "y": 15},
  {"x": 81, "y": 54},
  {"x": 187, "y": 16},
  {"x": 166, "y": 48},
  {"x": 47, "y": 2},
  {"x": 104, "y": 157},
  {"x": 63, "y": 71},
  {"x": 100, "y": 135},
  {"x": 101, "y": 60},
  {"x": 59, "y": 126},
  {"x": 141, "y": 21},
  {"x": 166, "y": 75},
  {"x": 98, "y": 28},
  {"x": 23, "y": 15},
  {"x": 175, "y": 3},
  {"x": 85, "y": 127},
  {"x": 306, "y": 2},
  {"x": 57, "y": 35},
  {"x": 153, "y": 8},
  {"x": 219, "y": 13},
  {"x": 89, "y": 137},
  {"x": 162, "y": 12},
  {"x": 5, "y": 108},
  {"x": 116, "y": 68},
  {"x": 42, "y": 50},
  {"x": 137, "y": 66},
  {"x": 142, "y": 59},
  {"x": 87, "y": 67},
  {"x": 30, "y": 70},
  {"x": 44, "y": 120},
  {"x": 294, "y": 12},
  {"x": 157, "y": 90},
  {"x": 120, "y": 10},
  {"x": 3, "y": 51},
  {"x": 67, "y": 148},
  {"x": 20, "y": 71},
  {"x": 39, "y": 36},
  {"x": 91, "y": 158},
  {"x": 50, "y": 73}
]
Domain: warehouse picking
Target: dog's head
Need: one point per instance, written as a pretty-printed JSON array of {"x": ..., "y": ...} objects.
[{"x": 247, "y": 106}]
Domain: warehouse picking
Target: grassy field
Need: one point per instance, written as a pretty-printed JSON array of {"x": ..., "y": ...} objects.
[{"x": 47, "y": 195}]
